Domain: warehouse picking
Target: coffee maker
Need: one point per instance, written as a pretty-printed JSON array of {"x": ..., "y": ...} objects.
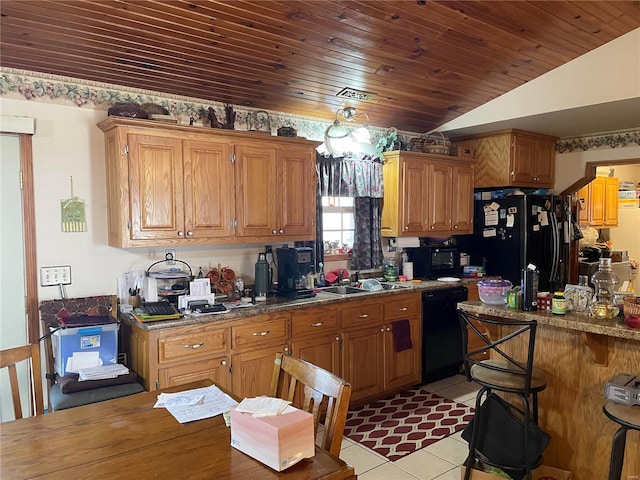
[{"x": 294, "y": 263}]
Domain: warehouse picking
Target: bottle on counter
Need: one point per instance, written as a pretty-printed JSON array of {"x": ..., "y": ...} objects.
[
  {"x": 262, "y": 277},
  {"x": 530, "y": 288},
  {"x": 558, "y": 304},
  {"x": 321, "y": 281},
  {"x": 604, "y": 281}
]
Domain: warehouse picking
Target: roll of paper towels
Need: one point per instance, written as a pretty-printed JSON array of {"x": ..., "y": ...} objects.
[{"x": 407, "y": 270}]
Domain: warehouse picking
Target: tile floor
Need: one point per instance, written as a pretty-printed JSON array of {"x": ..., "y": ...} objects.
[{"x": 438, "y": 461}]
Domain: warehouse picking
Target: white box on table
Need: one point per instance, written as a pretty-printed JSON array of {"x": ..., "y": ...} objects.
[{"x": 278, "y": 441}]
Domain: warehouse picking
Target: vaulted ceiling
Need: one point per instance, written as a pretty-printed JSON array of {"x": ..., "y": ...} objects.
[{"x": 424, "y": 62}]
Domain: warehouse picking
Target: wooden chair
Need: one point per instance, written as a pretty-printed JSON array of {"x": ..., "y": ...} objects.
[
  {"x": 315, "y": 390},
  {"x": 9, "y": 359},
  {"x": 494, "y": 369}
]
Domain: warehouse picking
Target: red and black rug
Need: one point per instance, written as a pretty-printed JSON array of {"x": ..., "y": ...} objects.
[{"x": 407, "y": 422}]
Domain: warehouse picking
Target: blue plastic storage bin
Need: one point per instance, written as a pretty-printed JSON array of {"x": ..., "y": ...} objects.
[{"x": 67, "y": 341}]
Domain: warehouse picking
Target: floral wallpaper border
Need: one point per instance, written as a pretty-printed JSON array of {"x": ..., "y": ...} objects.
[
  {"x": 61, "y": 90},
  {"x": 616, "y": 139},
  {"x": 87, "y": 94}
]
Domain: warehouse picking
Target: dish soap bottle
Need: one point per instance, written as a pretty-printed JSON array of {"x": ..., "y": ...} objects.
[{"x": 605, "y": 282}]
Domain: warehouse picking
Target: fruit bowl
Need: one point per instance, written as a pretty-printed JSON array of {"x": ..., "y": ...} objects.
[
  {"x": 631, "y": 307},
  {"x": 494, "y": 292}
]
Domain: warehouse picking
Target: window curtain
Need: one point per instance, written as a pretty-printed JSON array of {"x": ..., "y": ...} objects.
[{"x": 360, "y": 178}]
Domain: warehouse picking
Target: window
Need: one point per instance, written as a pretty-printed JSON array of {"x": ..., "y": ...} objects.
[{"x": 338, "y": 224}]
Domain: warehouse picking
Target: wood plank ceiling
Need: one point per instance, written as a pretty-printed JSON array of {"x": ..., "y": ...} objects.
[{"x": 427, "y": 62}]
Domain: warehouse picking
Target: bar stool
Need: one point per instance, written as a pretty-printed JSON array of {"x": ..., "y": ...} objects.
[
  {"x": 494, "y": 369},
  {"x": 628, "y": 417}
]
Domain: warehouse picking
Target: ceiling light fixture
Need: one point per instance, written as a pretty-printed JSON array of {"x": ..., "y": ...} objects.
[{"x": 338, "y": 138}]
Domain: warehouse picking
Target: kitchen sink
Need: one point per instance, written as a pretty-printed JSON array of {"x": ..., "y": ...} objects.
[
  {"x": 393, "y": 286},
  {"x": 343, "y": 290}
]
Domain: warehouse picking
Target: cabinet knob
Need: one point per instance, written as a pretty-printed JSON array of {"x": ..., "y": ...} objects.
[
  {"x": 337, "y": 339},
  {"x": 285, "y": 349},
  {"x": 406, "y": 227},
  {"x": 455, "y": 227},
  {"x": 223, "y": 362},
  {"x": 281, "y": 231},
  {"x": 180, "y": 233},
  {"x": 189, "y": 233},
  {"x": 382, "y": 329},
  {"x": 388, "y": 329},
  {"x": 432, "y": 227},
  {"x": 274, "y": 232}
]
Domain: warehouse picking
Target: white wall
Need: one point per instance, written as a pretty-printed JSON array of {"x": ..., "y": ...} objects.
[
  {"x": 67, "y": 143},
  {"x": 606, "y": 74}
]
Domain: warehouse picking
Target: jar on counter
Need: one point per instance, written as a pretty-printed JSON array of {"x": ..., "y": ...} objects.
[{"x": 558, "y": 304}]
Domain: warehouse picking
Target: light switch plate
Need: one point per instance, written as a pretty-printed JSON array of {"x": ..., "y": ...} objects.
[{"x": 55, "y": 275}]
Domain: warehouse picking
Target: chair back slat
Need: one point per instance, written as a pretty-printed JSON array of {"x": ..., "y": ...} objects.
[
  {"x": 314, "y": 390},
  {"x": 9, "y": 359}
]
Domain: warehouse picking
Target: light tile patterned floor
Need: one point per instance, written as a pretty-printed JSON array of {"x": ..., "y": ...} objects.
[{"x": 438, "y": 461}]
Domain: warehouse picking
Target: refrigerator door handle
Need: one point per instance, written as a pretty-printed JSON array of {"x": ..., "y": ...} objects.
[{"x": 555, "y": 248}]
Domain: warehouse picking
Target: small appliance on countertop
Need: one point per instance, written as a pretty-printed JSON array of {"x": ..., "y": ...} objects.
[
  {"x": 434, "y": 261},
  {"x": 294, "y": 265}
]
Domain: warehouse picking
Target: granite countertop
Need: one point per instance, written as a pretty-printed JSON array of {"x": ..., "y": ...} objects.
[
  {"x": 612, "y": 327},
  {"x": 276, "y": 304}
]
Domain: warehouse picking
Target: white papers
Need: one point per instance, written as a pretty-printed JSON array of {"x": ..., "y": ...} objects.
[
  {"x": 214, "y": 402},
  {"x": 263, "y": 406},
  {"x": 490, "y": 217},
  {"x": 200, "y": 286},
  {"x": 81, "y": 360},
  {"x": 180, "y": 399},
  {"x": 103, "y": 371}
]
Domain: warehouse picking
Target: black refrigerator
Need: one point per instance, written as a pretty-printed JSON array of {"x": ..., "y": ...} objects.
[{"x": 513, "y": 232}]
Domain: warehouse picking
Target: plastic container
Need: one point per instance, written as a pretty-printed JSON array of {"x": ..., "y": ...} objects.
[
  {"x": 494, "y": 292},
  {"x": 86, "y": 341}
]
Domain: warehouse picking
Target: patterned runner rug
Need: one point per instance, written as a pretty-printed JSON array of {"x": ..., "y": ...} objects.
[{"x": 407, "y": 422}]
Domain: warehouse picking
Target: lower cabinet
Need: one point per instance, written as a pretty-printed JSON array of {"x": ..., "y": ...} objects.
[{"x": 353, "y": 339}]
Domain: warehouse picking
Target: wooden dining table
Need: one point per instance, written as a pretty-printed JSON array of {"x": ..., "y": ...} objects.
[{"x": 128, "y": 438}]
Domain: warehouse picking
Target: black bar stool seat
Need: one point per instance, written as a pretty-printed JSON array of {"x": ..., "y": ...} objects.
[{"x": 628, "y": 417}]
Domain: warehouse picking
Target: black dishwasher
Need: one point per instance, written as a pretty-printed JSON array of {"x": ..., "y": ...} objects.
[{"x": 441, "y": 334}]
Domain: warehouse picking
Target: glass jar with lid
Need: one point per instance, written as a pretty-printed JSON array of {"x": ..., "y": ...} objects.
[{"x": 604, "y": 281}]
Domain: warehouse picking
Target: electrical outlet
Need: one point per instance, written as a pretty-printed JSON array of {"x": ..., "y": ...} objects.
[
  {"x": 170, "y": 255},
  {"x": 55, "y": 276}
]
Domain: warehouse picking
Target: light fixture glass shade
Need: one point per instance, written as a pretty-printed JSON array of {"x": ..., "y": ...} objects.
[
  {"x": 362, "y": 134},
  {"x": 336, "y": 130}
]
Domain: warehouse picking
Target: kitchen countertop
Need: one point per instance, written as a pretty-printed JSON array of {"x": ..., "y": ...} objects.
[
  {"x": 612, "y": 327},
  {"x": 276, "y": 304}
]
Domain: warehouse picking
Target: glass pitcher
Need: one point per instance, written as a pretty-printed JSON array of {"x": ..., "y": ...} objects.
[{"x": 604, "y": 281}]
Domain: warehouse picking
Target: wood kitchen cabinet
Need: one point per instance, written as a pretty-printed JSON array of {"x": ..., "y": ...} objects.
[
  {"x": 427, "y": 194},
  {"x": 255, "y": 342},
  {"x": 178, "y": 185},
  {"x": 599, "y": 203},
  {"x": 315, "y": 337},
  {"x": 276, "y": 192},
  {"x": 512, "y": 158}
]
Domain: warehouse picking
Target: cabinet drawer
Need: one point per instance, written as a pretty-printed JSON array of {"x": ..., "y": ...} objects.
[
  {"x": 261, "y": 330},
  {"x": 320, "y": 321},
  {"x": 192, "y": 344},
  {"x": 361, "y": 313},
  {"x": 401, "y": 306}
]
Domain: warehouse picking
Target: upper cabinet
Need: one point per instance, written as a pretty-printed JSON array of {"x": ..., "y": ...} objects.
[
  {"x": 427, "y": 194},
  {"x": 599, "y": 203},
  {"x": 178, "y": 185},
  {"x": 512, "y": 158}
]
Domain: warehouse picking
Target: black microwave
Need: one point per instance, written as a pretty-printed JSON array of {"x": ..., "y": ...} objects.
[{"x": 434, "y": 261}]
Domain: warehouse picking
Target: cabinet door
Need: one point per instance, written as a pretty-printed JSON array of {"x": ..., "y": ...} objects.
[
  {"x": 544, "y": 166},
  {"x": 256, "y": 190},
  {"x": 403, "y": 367},
  {"x": 156, "y": 187},
  {"x": 215, "y": 369},
  {"x": 462, "y": 199},
  {"x": 415, "y": 201},
  {"x": 597, "y": 197},
  {"x": 363, "y": 361},
  {"x": 252, "y": 371},
  {"x": 522, "y": 161},
  {"x": 209, "y": 203},
  {"x": 297, "y": 192},
  {"x": 610, "y": 202},
  {"x": 322, "y": 350},
  {"x": 440, "y": 195}
]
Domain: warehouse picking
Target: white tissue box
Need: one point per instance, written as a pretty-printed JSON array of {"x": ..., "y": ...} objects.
[{"x": 278, "y": 441}]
